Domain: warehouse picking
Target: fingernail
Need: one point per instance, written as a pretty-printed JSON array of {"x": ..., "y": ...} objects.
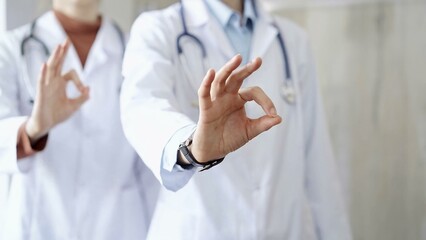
[{"x": 273, "y": 111}]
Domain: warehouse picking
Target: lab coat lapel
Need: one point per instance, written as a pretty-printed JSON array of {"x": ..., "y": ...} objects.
[
  {"x": 199, "y": 18},
  {"x": 107, "y": 42},
  {"x": 52, "y": 33},
  {"x": 103, "y": 45},
  {"x": 264, "y": 35},
  {"x": 220, "y": 40},
  {"x": 50, "y": 30}
]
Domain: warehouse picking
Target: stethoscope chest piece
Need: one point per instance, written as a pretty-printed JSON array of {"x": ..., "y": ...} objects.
[{"x": 288, "y": 93}]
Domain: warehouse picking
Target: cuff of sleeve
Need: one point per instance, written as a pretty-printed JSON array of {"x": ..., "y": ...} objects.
[
  {"x": 24, "y": 148},
  {"x": 174, "y": 176},
  {"x": 169, "y": 159},
  {"x": 9, "y": 129}
]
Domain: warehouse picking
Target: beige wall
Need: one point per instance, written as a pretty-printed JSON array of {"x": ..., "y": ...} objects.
[
  {"x": 122, "y": 11},
  {"x": 371, "y": 60}
]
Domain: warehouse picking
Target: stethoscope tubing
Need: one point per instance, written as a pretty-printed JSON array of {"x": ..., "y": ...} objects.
[
  {"x": 287, "y": 92},
  {"x": 32, "y": 36}
]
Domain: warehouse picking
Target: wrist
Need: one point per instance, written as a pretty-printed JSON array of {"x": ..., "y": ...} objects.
[
  {"x": 186, "y": 159},
  {"x": 181, "y": 160},
  {"x": 34, "y": 130},
  {"x": 198, "y": 154},
  {"x": 201, "y": 148}
]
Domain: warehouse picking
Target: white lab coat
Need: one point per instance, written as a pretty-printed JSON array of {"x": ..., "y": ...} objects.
[
  {"x": 281, "y": 185},
  {"x": 88, "y": 182}
]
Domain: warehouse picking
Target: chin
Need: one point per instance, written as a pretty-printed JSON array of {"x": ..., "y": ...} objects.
[{"x": 83, "y": 2}]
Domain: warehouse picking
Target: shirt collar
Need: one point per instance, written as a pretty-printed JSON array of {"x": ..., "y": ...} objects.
[{"x": 225, "y": 14}]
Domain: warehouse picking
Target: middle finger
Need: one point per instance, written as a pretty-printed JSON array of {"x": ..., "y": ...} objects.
[{"x": 218, "y": 84}]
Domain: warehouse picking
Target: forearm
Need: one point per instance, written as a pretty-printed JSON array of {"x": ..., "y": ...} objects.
[{"x": 155, "y": 131}]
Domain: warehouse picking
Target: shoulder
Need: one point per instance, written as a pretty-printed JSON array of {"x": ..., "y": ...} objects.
[
  {"x": 11, "y": 41},
  {"x": 14, "y": 36},
  {"x": 112, "y": 25},
  {"x": 158, "y": 19},
  {"x": 291, "y": 31},
  {"x": 156, "y": 29},
  {"x": 112, "y": 31},
  {"x": 296, "y": 38}
]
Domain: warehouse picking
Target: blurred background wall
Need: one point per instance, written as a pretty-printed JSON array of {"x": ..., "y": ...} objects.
[
  {"x": 371, "y": 59},
  {"x": 371, "y": 62}
]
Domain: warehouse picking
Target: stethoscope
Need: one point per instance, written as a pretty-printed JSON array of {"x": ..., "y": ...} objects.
[
  {"x": 287, "y": 91},
  {"x": 25, "y": 73}
]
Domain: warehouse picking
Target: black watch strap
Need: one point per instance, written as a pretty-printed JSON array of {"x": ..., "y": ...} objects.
[{"x": 183, "y": 148}]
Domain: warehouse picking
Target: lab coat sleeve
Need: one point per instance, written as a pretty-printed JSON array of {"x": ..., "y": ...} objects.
[
  {"x": 10, "y": 119},
  {"x": 151, "y": 118},
  {"x": 322, "y": 181}
]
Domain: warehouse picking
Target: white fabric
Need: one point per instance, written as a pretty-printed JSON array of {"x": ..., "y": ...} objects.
[
  {"x": 281, "y": 185},
  {"x": 88, "y": 183}
]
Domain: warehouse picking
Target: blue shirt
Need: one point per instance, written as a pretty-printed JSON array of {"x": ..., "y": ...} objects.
[{"x": 239, "y": 29}]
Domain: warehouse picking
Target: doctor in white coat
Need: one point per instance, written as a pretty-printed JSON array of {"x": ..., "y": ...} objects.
[
  {"x": 71, "y": 172},
  {"x": 281, "y": 184}
]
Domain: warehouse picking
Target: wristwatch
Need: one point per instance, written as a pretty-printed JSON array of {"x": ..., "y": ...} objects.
[{"x": 183, "y": 148}]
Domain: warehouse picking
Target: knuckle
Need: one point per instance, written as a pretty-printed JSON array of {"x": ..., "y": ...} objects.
[
  {"x": 49, "y": 65},
  {"x": 200, "y": 91},
  {"x": 75, "y": 75},
  {"x": 258, "y": 89},
  {"x": 248, "y": 69},
  {"x": 233, "y": 76},
  {"x": 227, "y": 71},
  {"x": 255, "y": 90}
]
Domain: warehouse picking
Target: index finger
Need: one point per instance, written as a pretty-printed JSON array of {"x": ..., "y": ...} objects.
[
  {"x": 225, "y": 72},
  {"x": 64, "y": 49},
  {"x": 260, "y": 97},
  {"x": 236, "y": 79},
  {"x": 73, "y": 76},
  {"x": 204, "y": 96},
  {"x": 52, "y": 62}
]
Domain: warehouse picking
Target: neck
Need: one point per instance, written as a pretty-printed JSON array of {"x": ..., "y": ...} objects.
[
  {"x": 237, "y": 5},
  {"x": 85, "y": 13}
]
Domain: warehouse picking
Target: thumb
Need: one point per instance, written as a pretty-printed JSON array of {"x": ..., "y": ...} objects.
[{"x": 262, "y": 124}]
